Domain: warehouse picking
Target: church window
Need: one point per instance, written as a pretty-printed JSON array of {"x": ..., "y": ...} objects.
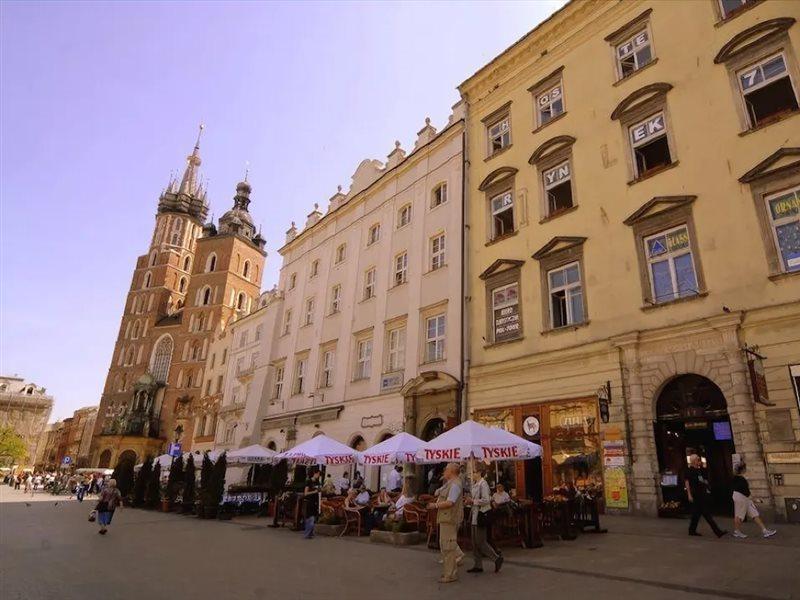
[
  {"x": 206, "y": 296},
  {"x": 246, "y": 270},
  {"x": 182, "y": 285},
  {"x": 176, "y": 238},
  {"x": 153, "y": 258},
  {"x": 241, "y": 301},
  {"x": 162, "y": 357},
  {"x": 211, "y": 263},
  {"x": 147, "y": 280},
  {"x": 187, "y": 263}
]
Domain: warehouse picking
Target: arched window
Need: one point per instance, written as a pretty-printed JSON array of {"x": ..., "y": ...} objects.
[
  {"x": 147, "y": 280},
  {"x": 211, "y": 262},
  {"x": 176, "y": 239},
  {"x": 206, "y": 296},
  {"x": 187, "y": 263},
  {"x": 238, "y": 260},
  {"x": 153, "y": 258},
  {"x": 201, "y": 427},
  {"x": 105, "y": 459},
  {"x": 195, "y": 354},
  {"x": 129, "y": 356},
  {"x": 255, "y": 273},
  {"x": 241, "y": 301},
  {"x": 162, "y": 357},
  {"x": 246, "y": 269},
  {"x": 182, "y": 285},
  {"x": 135, "y": 333},
  {"x": 124, "y": 383}
]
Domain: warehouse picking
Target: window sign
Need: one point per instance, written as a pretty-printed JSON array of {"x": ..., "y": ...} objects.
[
  {"x": 556, "y": 175},
  {"x": 672, "y": 272},
  {"x": 649, "y": 129},
  {"x": 763, "y": 73},
  {"x": 505, "y": 306},
  {"x": 784, "y": 212},
  {"x": 550, "y": 104}
]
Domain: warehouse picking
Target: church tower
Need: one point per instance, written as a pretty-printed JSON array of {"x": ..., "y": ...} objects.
[{"x": 170, "y": 314}]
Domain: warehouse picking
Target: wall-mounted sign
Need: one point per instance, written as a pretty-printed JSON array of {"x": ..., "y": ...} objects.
[
  {"x": 531, "y": 426},
  {"x": 616, "y": 488},
  {"x": 372, "y": 421},
  {"x": 696, "y": 425},
  {"x": 506, "y": 323},
  {"x": 391, "y": 381},
  {"x": 758, "y": 380}
]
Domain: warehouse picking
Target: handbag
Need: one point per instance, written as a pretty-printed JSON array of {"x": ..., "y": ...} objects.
[{"x": 92, "y": 516}]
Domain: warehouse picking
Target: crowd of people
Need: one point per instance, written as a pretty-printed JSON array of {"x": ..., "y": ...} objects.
[{"x": 76, "y": 485}]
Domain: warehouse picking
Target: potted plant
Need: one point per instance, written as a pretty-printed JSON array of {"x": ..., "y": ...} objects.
[
  {"x": 206, "y": 502},
  {"x": 188, "y": 497},
  {"x": 174, "y": 483},
  {"x": 330, "y": 525},
  {"x": 140, "y": 485},
  {"x": 152, "y": 495},
  {"x": 124, "y": 476},
  {"x": 397, "y": 533}
]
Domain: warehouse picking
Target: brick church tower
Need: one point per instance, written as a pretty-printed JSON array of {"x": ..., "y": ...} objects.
[{"x": 192, "y": 281}]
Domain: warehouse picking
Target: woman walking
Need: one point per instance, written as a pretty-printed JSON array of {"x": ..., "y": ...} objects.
[
  {"x": 481, "y": 500},
  {"x": 743, "y": 506},
  {"x": 110, "y": 499}
]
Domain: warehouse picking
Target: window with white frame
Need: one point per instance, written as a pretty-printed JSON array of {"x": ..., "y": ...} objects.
[
  {"x": 287, "y": 321},
  {"x": 634, "y": 53},
  {"x": 369, "y": 284},
  {"x": 395, "y": 349},
  {"x": 558, "y": 188},
  {"x": 300, "y": 376},
  {"x": 502, "y": 209},
  {"x": 401, "y": 268},
  {"x": 314, "y": 269},
  {"x": 437, "y": 251},
  {"x": 363, "y": 359},
  {"x": 499, "y": 134},
  {"x": 505, "y": 313},
  {"x": 439, "y": 195},
  {"x": 326, "y": 374},
  {"x": 308, "y": 318},
  {"x": 731, "y": 7},
  {"x": 341, "y": 253},
  {"x": 784, "y": 216},
  {"x": 550, "y": 104},
  {"x": 670, "y": 264},
  {"x": 336, "y": 299},
  {"x": 404, "y": 216},
  {"x": 650, "y": 145},
  {"x": 566, "y": 296},
  {"x": 767, "y": 90},
  {"x": 277, "y": 388},
  {"x": 434, "y": 338},
  {"x": 374, "y": 234}
]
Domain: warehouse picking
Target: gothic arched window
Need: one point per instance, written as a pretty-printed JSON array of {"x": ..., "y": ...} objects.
[
  {"x": 153, "y": 257},
  {"x": 207, "y": 296},
  {"x": 246, "y": 269},
  {"x": 241, "y": 300},
  {"x": 187, "y": 263},
  {"x": 176, "y": 238},
  {"x": 182, "y": 285},
  {"x": 162, "y": 357},
  {"x": 147, "y": 280},
  {"x": 211, "y": 262}
]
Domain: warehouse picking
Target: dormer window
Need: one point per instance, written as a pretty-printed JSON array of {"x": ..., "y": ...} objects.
[{"x": 374, "y": 234}]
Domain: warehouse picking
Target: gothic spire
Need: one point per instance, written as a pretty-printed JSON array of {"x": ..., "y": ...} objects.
[{"x": 189, "y": 183}]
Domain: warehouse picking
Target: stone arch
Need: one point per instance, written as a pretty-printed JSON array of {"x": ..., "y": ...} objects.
[
  {"x": 357, "y": 442},
  {"x": 127, "y": 455},
  {"x": 383, "y": 435},
  {"x": 105, "y": 459}
]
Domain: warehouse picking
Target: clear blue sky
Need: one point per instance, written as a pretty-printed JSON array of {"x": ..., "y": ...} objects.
[{"x": 100, "y": 101}]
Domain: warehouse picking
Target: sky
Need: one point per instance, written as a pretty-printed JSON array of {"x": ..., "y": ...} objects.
[{"x": 100, "y": 102}]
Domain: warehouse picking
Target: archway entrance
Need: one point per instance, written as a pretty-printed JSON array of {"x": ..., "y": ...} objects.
[
  {"x": 128, "y": 455},
  {"x": 692, "y": 418},
  {"x": 432, "y": 474},
  {"x": 105, "y": 459}
]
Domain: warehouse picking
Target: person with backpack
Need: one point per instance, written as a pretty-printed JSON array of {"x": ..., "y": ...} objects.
[{"x": 744, "y": 507}]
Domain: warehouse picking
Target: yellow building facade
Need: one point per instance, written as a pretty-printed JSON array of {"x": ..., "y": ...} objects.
[{"x": 633, "y": 234}]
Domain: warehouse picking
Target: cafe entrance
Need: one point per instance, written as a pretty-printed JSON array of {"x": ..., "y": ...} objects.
[{"x": 692, "y": 418}]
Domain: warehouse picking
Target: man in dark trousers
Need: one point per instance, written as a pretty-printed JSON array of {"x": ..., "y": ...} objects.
[{"x": 697, "y": 491}]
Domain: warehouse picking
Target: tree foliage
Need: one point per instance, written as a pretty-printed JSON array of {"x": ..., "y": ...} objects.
[
  {"x": 12, "y": 447},
  {"x": 218, "y": 480},
  {"x": 140, "y": 485},
  {"x": 123, "y": 474},
  {"x": 189, "y": 485},
  {"x": 206, "y": 475},
  {"x": 175, "y": 480},
  {"x": 153, "y": 494}
]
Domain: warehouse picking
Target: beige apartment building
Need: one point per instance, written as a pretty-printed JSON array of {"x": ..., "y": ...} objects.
[
  {"x": 634, "y": 233},
  {"x": 367, "y": 340},
  {"x": 24, "y": 407}
]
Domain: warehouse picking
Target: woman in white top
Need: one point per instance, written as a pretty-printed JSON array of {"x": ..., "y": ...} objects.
[{"x": 481, "y": 501}]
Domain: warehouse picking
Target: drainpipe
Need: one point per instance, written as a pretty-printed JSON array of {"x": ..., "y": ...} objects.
[{"x": 463, "y": 385}]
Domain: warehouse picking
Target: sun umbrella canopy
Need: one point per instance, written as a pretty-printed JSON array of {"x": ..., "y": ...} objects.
[
  {"x": 251, "y": 455},
  {"x": 320, "y": 450},
  {"x": 400, "y": 448},
  {"x": 473, "y": 440}
]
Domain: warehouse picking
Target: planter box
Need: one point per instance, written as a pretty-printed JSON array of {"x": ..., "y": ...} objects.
[
  {"x": 396, "y": 539},
  {"x": 329, "y": 530}
]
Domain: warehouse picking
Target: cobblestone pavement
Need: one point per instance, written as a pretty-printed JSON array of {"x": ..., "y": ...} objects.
[{"x": 50, "y": 551}]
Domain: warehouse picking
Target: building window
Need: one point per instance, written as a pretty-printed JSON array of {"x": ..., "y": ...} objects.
[
  {"x": 499, "y": 134},
  {"x": 277, "y": 389},
  {"x": 374, "y": 234},
  {"x": 309, "y": 315},
  {"x": 650, "y": 145},
  {"x": 767, "y": 90},
  {"x": 396, "y": 350},
  {"x": 292, "y": 281},
  {"x": 287, "y": 321},
  {"x": 784, "y": 216},
  {"x": 299, "y": 376},
  {"x": 314, "y": 269},
  {"x": 731, "y": 7},
  {"x": 505, "y": 312},
  {"x": 363, "y": 359},
  {"x": 439, "y": 195},
  {"x": 211, "y": 263},
  {"x": 162, "y": 358},
  {"x": 241, "y": 301},
  {"x": 176, "y": 239},
  {"x": 369, "y": 284},
  {"x": 401, "y": 268},
  {"x": 187, "y": 263},
  {"x": 182, "y": 285},
  {"x": 336, "y": 299},
  {"x": 434, "y": 338},
  {"x": 153, "y": 257},
  {"x": 243, "y": 339},
  {"x": 341, "y": 253},
  {"x": 558, "y": 188},
  {"x": 502, "y": 208},
  {"x": 246, "y": 269},
  {"x": 326, "y": 376},
  {"x": 206, "y": 298},
  {"x": 549, "y": 104},
  {"x": 634, "y": 53},
  {"x": 566, "y": 296},
  {"x": 437, "y": 252},
  {"x": 670, "y": 265},
  {"x": 259, "y": 328},
  {"x": 147, "y": 280},
  {"x": 404, "y": 216}
]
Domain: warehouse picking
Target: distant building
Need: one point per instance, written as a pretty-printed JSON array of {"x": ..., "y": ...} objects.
[{"x": 25, "y": 407}]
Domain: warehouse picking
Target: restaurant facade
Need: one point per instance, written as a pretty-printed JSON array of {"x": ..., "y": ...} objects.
[{"x": 632, "y": 292}]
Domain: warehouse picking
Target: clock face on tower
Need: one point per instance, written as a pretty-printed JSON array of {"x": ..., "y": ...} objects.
[{"x": 530, "y": 426}]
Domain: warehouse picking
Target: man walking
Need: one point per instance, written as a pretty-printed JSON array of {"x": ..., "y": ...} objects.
[
  {"x": 311, "y": 504},
  {"x": 450, "y": 511},
  {"x": 697, "y": 491}
]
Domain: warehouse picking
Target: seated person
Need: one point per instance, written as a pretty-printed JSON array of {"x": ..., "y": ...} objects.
[
  {"x": 383, "y": 504},
  {"x": 351, "y": 503},
  {"x": 329, "y": 487},
  {"x": 500, "y": 496},
  {"x": 406, "y": 497},
  {"x": 363, "y": 497}
]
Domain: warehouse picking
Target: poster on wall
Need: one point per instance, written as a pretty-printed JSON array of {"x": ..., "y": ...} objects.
[{"x": 616, "y": 487}]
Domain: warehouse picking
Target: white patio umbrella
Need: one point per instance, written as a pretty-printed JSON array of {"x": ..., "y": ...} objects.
[
  {"x": 165, "y": 460},
  {"x": 473, "y": 440},
  {"x": 251, "y": 455},
  {"x": 400, "y": 448},
  {"x": 320, "y": 450}
]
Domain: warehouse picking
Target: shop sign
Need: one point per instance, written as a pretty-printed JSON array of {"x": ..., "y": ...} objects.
[
  {"x": 616, "y": 488},
  {"x": 784, "y": 458},
  {"x": 371, "y": 421},
  {"x": 758, "y": 380},
  {"x": 651, "y": 128},
  {"x": 506, "y": 323},
  {"x": 531, "y": 426},
  {"x": 613, "y": 453},
  {"x": 695, "y": 425}
]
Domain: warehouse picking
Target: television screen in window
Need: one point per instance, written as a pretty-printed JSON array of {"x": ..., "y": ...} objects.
[{"x": 722, "y": 431}]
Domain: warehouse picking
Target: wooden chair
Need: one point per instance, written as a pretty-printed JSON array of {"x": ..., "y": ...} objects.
[
  {"x": 352, "y": 516},
  {"x": 432, "y": 529}
]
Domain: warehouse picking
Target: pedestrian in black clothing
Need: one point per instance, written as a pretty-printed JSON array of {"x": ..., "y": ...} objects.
[{"x": 697, "y": 491}]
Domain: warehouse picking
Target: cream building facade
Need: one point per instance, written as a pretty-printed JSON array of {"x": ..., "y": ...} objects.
[
  {"x": 367, "y": 330},
  {"x": 634, "y": 235},
  {"x": 25, "y": 407}
]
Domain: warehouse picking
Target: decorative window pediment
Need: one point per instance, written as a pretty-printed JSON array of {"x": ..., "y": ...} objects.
[
  {"x": 658, "y": 206},
  {"x": 551, "y": 147},
  {"x": 558, "y": 244},
  {"x": 501, "y": 265},
  {"x": 640, "y": 98},
  {"x": 752, "y": 37},
  {"x": 777, "y": 163},
  {"x": 497, "y": 176}
]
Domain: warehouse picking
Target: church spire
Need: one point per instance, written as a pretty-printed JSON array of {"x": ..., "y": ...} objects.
[{"x": 189, "y": 184}]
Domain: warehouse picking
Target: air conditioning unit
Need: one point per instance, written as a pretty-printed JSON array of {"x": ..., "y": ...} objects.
[{"x": 793, "y": 510}]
